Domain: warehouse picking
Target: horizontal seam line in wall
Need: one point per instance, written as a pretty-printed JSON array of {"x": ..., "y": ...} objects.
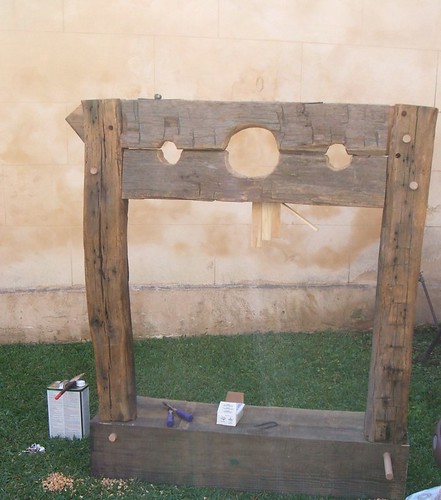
[{"x": 173, "y": 287}]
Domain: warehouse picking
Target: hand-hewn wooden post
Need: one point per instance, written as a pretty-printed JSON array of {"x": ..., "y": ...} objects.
[
  {"x": 407, "y": 186},
  {"x": 106, "y": 262}
]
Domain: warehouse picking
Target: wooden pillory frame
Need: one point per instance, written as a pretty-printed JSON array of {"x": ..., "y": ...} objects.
[{"x": 310, "y": 451}]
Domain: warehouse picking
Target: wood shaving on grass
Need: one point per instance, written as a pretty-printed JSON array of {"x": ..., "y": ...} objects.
[
  {"x": 57, "y": 482},
  {"x": 119, "y": 484}
]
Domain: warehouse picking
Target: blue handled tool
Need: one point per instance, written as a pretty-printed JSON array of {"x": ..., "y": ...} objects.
[
  {"x": 180, "y": 413},
  {"x": 170, "y": 419}
]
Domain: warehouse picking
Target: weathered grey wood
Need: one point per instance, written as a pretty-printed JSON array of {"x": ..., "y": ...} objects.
[
  {"x": 202, "y": 125},
  {"x": 311, "y": 452},
  {"x": 106, "y": 263},
  {"x": 75, "y": 120},
  {"x": 209, "y": 125},
  {"x": 299, "y": 178},
  {"x": 407, "y": 189}
]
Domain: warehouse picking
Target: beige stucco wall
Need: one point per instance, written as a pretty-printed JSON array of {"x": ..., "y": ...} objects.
[{"x": 191, "y": 266}]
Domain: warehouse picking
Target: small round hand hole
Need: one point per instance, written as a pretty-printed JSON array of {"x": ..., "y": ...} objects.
[
  {"x": 337, "y": 157},
  {"x": 170, "y": 153}
]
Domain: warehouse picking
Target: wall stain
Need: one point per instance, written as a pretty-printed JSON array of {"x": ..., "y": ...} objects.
[
  {"x": 322, "y": 212},
  {"x": 145, "y": 212},
  {"x": 182, "y": 247},
  {"x": 31, "y": 243},
  {"x": 223, "y": 237},
  {"x": 364, "y": 231},
  {"x": 13, "y": 151},
  {"x": 252, "y": 84},
  {"x": 220, "y": 243}
]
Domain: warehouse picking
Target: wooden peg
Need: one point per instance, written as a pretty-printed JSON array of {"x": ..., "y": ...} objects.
[
  {"x": 306, "y": 221},
  {"x": 265, "y": 222},
  {"x": 112, "y": 437},
  {"x": 388, "y": 470}
]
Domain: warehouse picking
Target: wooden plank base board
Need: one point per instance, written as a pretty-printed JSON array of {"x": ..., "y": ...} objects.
[{"x": 310, "y": 451}]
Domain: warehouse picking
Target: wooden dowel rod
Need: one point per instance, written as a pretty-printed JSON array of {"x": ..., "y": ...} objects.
[
  {"x": 388, "y": 470},
  {"x": 314, "y": 228}
]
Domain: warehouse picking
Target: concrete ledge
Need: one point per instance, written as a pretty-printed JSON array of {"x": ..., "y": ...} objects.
[
  {"x": 60, "y": 315},
  {"x": 229, "y": 310},
  {"x": 43, "y": 315}
]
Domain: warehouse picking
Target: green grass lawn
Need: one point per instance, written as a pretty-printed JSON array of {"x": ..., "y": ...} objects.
[{"x": 324, "y": 371}]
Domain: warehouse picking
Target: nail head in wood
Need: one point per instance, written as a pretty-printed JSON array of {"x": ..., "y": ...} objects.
[
  {"x": 93, "y": 171},
  {"x": 407, "y": 138},
  {"x": 113, "y": 437},
  {"x": 413, "y": 185}
]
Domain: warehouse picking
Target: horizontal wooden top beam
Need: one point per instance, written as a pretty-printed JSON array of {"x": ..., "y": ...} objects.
[
  {"x": 303, "y": 132},
  {"x": 199, "y": 125}
]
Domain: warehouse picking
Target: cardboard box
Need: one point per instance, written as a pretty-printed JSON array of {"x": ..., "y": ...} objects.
[
  {"x": 69, "y": 416},
  {"x": 231, "y": 410}
]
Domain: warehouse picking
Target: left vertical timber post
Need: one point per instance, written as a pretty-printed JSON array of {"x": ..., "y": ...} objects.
[{"x": 106, "y": 261}]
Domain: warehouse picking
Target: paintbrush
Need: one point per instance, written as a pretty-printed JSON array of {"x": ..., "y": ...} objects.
[{"x": 68, "y": 385}]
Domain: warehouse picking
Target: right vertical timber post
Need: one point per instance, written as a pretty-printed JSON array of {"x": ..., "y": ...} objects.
[{"x": 407, "y": 189}]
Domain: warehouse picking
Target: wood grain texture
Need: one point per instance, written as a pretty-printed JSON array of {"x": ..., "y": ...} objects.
[
  {"x": 75, "y": 120},
  {"x": 266, "y": 222},
  {"x": 148, "y": 123},
  {"x": 302, "y": 178},
  {"x": 106, "y": 263},
  {"x": 311, "y": 452},
  {"x": 296, "y": 126},
  {"x": 398, "y": 270}
]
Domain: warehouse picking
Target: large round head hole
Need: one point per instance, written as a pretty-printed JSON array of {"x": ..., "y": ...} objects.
[
  {"x": 170, "y": 153},
  {"x": 253, "y": 152},
  {"x": 337, "y": 157}
]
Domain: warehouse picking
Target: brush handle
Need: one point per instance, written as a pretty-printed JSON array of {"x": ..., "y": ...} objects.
[
  {"x": 68, "y": 386},
  {"x": 184, "y": 415}
]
